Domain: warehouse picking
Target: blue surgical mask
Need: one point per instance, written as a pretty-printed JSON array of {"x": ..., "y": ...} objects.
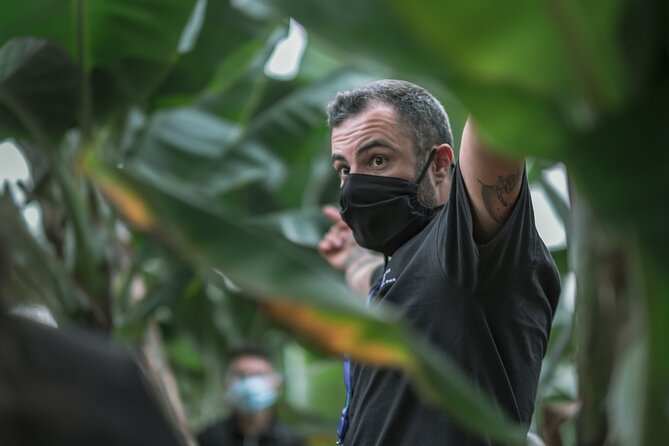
[{"x": 251, "y": 394}]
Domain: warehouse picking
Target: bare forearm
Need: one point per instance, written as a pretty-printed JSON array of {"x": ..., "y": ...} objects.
[{"x": 359, "y": 269}]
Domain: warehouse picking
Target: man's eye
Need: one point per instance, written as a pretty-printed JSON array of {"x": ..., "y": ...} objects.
[
  {"x": 378, "y": 160},
  {"x": 343, "y": 171}
]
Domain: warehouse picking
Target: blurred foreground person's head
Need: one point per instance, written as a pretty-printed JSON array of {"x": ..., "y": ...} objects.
[{"x": 65, "y": 387}]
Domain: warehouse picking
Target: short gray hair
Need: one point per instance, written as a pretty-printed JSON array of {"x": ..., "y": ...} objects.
[{"x": 418, "y": 112}]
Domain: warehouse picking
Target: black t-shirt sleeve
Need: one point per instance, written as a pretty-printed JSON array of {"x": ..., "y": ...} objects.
[{"x": 474, "y": 267}]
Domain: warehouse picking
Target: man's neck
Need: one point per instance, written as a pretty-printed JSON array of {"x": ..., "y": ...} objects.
[{"x": 254, "y": 425}]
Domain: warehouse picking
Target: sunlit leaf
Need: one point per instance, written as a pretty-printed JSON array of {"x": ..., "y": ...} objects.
[{"x": 227, "y": 37}]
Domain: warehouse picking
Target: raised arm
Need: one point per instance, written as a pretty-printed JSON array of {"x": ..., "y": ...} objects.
[{"x": 493, "y": 183}]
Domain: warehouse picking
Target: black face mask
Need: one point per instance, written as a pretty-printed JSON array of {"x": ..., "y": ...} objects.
[{"x": 384, "y": 212}]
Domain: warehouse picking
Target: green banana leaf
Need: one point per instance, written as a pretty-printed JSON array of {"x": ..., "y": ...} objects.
[
  {"x": 543, "y": 61},
  {"x": 39, "y": 87},
  {"x": 134, "y": 40}
]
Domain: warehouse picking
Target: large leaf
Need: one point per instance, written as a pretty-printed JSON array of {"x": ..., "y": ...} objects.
[
  {"x": 228, "y": 41},
  {"x": 191, "y": 148},
  {"x": 303, "y": 294},
  {"x": 113, "y": 32},
  {"x": 304, "y": 227},
  {"x": 629, "y": 192},
  {"x": 293, "y": 127},
  {"x": 287, "y": 122},
  {"x": 134, "y": 40},
  {"x": 39, "y": 86},
  {"x": 240, "y": 82},
  {"x": 546, "y": 62}
]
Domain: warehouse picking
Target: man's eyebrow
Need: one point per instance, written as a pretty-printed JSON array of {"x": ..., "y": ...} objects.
[
  {"x": 337, "y": 157},
  {"x": 364, "y": 148},
  {"x": 372, "y": 144}
]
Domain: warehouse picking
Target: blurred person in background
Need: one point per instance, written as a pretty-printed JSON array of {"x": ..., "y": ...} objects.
[{"x": 252, "y": 386}]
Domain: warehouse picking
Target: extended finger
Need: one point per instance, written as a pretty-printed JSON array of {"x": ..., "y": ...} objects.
[{"x": 332, "y": 213}]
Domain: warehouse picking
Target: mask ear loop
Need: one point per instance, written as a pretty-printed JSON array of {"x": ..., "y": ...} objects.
[{"x": 427, "y": 165}]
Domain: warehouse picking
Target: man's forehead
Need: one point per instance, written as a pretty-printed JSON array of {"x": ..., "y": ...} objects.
[
  {"x": 374, "y": 112},
  {"x": 378, "y": 124},
  {"x": 251, "y": 364}
]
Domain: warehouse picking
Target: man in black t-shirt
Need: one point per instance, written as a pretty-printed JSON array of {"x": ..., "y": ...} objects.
[{"x": 461, "y": 259}]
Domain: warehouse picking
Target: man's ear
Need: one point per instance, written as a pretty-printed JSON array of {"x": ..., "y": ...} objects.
[{"x": 442, "y": 163}]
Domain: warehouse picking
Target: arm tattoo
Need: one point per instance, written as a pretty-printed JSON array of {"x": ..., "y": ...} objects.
[{"x": 495, "y": 196}]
